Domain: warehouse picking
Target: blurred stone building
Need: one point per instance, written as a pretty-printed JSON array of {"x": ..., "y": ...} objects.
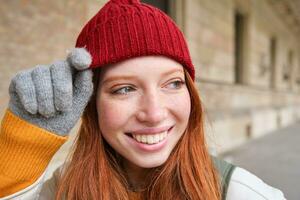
[{"x": 246, "y": 52}]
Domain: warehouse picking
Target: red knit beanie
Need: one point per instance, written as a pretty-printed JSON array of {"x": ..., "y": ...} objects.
[{"x": 124, "y": 29}]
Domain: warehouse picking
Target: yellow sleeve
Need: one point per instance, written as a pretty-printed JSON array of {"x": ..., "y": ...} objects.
[{"x": 25, "y": 151}]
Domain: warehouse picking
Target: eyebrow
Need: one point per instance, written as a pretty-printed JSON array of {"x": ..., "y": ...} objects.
[
  {"x": 171, "y": 72},
  {"x": 134, "y": 77}
]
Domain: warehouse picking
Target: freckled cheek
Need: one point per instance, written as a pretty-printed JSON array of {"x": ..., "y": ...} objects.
[
  {"x": 112, "y": 115},
  {"x": 181, "y": 106}
]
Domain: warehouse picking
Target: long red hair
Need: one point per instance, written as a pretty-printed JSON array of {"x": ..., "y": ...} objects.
[{"x": 95, "y": 171}]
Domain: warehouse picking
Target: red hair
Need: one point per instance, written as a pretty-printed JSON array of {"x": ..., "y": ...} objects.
[{"x": 95, "y": 171}]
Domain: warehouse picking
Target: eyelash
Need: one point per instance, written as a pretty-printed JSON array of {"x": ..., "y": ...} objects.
[
  {"x": 180, "y": 82},
  {"x": 117, "y": 92}
]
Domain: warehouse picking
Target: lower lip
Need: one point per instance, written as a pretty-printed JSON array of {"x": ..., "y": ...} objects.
[{"x": 150, "y": 147}]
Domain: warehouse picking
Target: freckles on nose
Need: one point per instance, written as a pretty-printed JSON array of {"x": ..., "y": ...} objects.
[
  {"x": 152, "y": 116},
  {"x": 152, "y": 111}
]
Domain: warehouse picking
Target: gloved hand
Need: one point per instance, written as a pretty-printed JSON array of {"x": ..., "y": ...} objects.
[{"x": 53, "y": 96}]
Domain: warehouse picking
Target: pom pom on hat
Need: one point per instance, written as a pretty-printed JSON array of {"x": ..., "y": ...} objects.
[
  {"x": 124, "y": 29},
  {"x": 79, "y": 58}
]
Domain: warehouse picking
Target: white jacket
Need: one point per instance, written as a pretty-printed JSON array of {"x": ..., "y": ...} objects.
[{"x": 242, "y": 186}]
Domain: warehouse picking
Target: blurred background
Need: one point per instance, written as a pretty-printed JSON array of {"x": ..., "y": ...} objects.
[{"x": 247, "y": 58}]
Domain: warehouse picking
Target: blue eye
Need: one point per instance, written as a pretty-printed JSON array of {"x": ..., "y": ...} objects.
[
  {"x": 176, "y": 84},
  {"x": 123, "y": 90}
]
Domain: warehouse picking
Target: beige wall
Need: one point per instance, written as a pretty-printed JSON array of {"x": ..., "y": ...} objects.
[
  {"x": 237, "y": 112},
  {"x": 208, "y": 28}
]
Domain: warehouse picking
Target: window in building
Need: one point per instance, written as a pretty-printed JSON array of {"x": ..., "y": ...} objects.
[
  {"x": 298, "y": 75},
  {"x": 287, "y": 69},
  {"x": 161, "y": 4},
  {"x": 239, "y": 30},
  {"x": 273, "y": 50},
  {"x": 291, "y": 58}
]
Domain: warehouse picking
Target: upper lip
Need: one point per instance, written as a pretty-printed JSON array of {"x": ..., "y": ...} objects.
[{"x": 149, "y": 131}]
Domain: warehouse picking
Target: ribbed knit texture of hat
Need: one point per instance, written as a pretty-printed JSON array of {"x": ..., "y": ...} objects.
[{"x": 125, "y": 29}]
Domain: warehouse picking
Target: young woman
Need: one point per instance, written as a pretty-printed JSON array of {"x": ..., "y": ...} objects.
[{"x": 142, "y": 131}]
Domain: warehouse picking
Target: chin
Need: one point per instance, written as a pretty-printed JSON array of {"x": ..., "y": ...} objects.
[{"x": 150, "y": 162}]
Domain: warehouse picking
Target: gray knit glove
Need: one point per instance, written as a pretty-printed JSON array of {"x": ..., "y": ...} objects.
[{"x": 53, "y": 96}]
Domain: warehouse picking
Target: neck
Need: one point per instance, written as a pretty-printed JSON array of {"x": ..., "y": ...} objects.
[{"x": 137, "y": 176}]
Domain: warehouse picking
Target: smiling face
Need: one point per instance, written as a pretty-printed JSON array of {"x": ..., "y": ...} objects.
[{"x": 143, "y": 108}]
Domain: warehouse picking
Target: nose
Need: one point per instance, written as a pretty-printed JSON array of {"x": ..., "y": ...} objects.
[{"x": 152, "y": 109}]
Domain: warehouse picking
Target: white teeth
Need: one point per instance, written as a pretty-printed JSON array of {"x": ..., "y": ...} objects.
[
  {"x": 144, "y": 139},
  {"x": 139, "y": 137},
  {"x": 156, "y": 138},
  {"x": 151, "y": 139}
]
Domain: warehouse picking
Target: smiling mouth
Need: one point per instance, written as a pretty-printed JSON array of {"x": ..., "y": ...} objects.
[{"x": 149, "y": 139}]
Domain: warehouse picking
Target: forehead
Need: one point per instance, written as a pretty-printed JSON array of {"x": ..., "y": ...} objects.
[{"x": 143, "y": 65}]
